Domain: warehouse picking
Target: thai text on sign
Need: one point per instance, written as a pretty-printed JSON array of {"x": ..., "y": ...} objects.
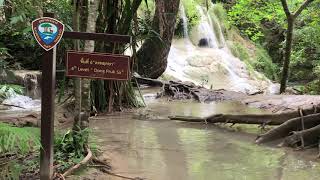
[{"x": 97, "y": 65}]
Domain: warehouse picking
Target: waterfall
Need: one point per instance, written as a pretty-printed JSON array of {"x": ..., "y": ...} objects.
[
  {"x": 184, "y": 22},
  {"x": 202, "y": 57},
  {"x": 208, "y": 38},
  {"x": 215, "y": 24},
  {"x": 186, "y": 37}
]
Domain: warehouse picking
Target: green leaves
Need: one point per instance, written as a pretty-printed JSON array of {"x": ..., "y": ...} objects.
[
  {"x": 18, "y": 140},
  {"x": 248, "y": 15},
  {"x": 8, "y": 90}
]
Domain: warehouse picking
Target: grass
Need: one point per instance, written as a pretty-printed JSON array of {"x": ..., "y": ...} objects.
[{"x": 23, "y": 144}]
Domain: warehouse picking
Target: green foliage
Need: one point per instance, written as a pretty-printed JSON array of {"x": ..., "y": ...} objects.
[
  {"x": 18, "y": 140},
  {"x": 248, "y": 15},
  {"x": 260, "y": 61},
  {"x": 8, "y": 90},
  {"x": 264, "y": 64},
  {"x": 69, "y": 148},
  {"x": 192, "y": 13},
  {"x": 239, "y": 51},
  {"x": 17, "y": 45},
  {"x": 305, "y": 53}
]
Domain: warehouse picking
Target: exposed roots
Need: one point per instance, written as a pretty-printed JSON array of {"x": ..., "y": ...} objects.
[{"x": 77, "y": 166}]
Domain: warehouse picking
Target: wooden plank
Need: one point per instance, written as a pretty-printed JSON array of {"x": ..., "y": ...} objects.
[{"x": 98, "y": 36}]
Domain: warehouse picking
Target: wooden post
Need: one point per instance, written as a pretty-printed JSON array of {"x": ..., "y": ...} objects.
[{"x": 47, "y": 111}]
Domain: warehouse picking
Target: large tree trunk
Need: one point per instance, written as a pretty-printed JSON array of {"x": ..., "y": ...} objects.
[{"x": 152, "y": 56}]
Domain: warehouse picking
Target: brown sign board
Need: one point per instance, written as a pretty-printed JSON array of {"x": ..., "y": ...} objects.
[{"x": 97, "y": 65}]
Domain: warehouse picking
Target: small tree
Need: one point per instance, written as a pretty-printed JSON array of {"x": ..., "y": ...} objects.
[{"x": 291, "y": 17}]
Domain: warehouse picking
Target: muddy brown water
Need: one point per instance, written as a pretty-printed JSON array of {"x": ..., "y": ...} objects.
[{"x": 146, "y": 144}]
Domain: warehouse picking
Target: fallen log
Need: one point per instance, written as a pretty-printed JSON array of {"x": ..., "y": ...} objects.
[
  {"x": 305, "y": 137},
  {"x": 262, "y": 119},
  {"x": 289, "y": 126}
]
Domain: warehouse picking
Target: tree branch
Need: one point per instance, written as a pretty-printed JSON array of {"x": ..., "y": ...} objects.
[
  {"x": 286, "y": 8},
  {"x": 302, "y": 7}
]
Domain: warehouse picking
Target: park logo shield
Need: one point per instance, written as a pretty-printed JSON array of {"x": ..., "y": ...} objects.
[{"x": 47, "y": 31}]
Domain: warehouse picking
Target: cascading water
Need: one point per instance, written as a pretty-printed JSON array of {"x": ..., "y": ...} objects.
[
  {"x": 205, "y": 29},
  {"x": 209, "y": 62}
]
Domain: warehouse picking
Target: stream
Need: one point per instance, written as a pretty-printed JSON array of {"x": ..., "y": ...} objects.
[{"x": 146, "y": 144}]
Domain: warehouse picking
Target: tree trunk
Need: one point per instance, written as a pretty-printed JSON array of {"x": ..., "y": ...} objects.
[
  {"x": 287, "y": 55},
  {"x": 76, "y": 81},
  {"x": 89, "y": 47},
  {"x": 152, "y": 56},
  {"x": 290, "y": 20}
]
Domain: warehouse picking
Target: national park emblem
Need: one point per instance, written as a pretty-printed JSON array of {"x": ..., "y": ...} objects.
[{"x": 47, "y": 31}]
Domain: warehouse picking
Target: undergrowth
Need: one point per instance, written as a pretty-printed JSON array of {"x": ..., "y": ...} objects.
[{"x": 19, "y": 151}]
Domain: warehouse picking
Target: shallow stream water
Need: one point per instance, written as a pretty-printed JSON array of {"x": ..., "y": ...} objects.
[{"x": 153, "y": 147}]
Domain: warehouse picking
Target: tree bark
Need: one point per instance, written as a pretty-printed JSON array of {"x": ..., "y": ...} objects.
[
  {"x": 89, "y": 47},
  {"x": 290, "y": 20},
  {"x": 152, "y": 56},
  {"x": 76, "y": 81}
]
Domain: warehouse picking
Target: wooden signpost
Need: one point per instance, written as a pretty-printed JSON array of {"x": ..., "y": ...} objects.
[{"x": 104, "y": 66}]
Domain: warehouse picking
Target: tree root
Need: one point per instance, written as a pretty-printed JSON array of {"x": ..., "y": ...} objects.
[{"x": 77, "y": 166}]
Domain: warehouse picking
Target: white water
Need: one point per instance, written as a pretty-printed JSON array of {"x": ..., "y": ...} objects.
[
  {"x": 213, "y": 66},
  {"x": 23, "y": 103}
]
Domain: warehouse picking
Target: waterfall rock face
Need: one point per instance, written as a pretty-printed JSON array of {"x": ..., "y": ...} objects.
[{"x": 206, "y": 60}]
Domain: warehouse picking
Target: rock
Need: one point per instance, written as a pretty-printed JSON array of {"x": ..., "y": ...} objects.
[{"x": 204, "y": 42}]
